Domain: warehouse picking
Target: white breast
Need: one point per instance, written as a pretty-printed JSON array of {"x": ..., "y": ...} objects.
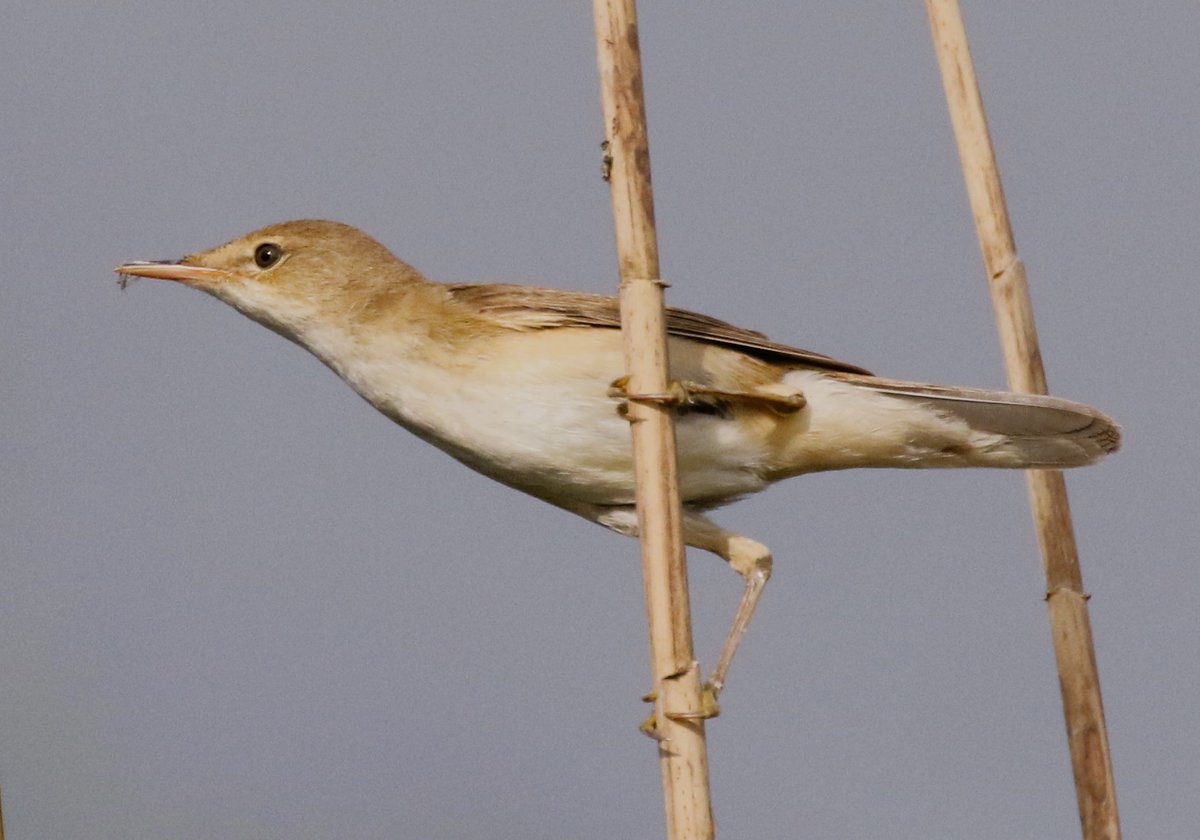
[{"x": 534, "y": 414}]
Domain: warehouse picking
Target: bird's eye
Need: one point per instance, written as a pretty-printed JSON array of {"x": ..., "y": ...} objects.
[{"x": 267, "y": 254}]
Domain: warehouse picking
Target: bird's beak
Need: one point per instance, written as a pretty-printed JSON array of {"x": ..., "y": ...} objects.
[{"x": 192, "y": 275}]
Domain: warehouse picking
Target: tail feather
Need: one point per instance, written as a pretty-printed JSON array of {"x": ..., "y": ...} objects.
[{"x": 1015, "y": 430}]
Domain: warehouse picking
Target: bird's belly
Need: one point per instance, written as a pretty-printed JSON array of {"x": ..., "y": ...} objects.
[{"x": 561, "y": 440}]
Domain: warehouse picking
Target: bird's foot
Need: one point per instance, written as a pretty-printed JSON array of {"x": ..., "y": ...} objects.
[
  {"x": 708, "y": 708},
  {"x": 674, "y": 397},
  {"x": 682, "y": 395}
]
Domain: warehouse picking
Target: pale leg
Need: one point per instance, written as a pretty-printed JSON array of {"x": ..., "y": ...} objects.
[{"x": 750, "y": 559}]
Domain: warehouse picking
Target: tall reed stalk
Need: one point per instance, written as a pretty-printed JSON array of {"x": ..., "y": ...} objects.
[{"x": 1066, "y": 602}]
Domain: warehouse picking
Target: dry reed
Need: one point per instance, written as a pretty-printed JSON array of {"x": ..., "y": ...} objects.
[
  {"x": 677, "y": 723},
  {"x": 1066, "y": 602}
]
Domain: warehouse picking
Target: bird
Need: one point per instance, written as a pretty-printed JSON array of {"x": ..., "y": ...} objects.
[{"x": 524, "y": 385}]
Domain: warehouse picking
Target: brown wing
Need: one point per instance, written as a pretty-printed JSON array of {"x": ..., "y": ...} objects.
[{"x": 531, "y": 308}]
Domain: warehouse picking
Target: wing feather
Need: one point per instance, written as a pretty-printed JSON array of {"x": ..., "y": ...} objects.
[{"x": 531, "y": 308}]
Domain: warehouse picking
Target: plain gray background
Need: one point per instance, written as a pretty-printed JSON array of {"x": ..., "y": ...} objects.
[{"x": 238, "y": 603}]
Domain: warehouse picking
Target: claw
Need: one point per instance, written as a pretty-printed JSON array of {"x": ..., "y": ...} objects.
[{"x": 649, "y": 728}]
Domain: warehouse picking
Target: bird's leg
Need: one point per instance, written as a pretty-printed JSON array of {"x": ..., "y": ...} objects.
[
  {"x": 623, "y": 520},
  {"x": 751, "y": 560},
  {"x": 679, "y": 394}
]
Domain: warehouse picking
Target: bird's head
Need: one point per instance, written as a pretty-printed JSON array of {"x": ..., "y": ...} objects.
[{"x": 292, "y": 275}]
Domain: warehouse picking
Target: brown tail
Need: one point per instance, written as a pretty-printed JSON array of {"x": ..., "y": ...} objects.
[{"x": 1030, "y": 430}]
